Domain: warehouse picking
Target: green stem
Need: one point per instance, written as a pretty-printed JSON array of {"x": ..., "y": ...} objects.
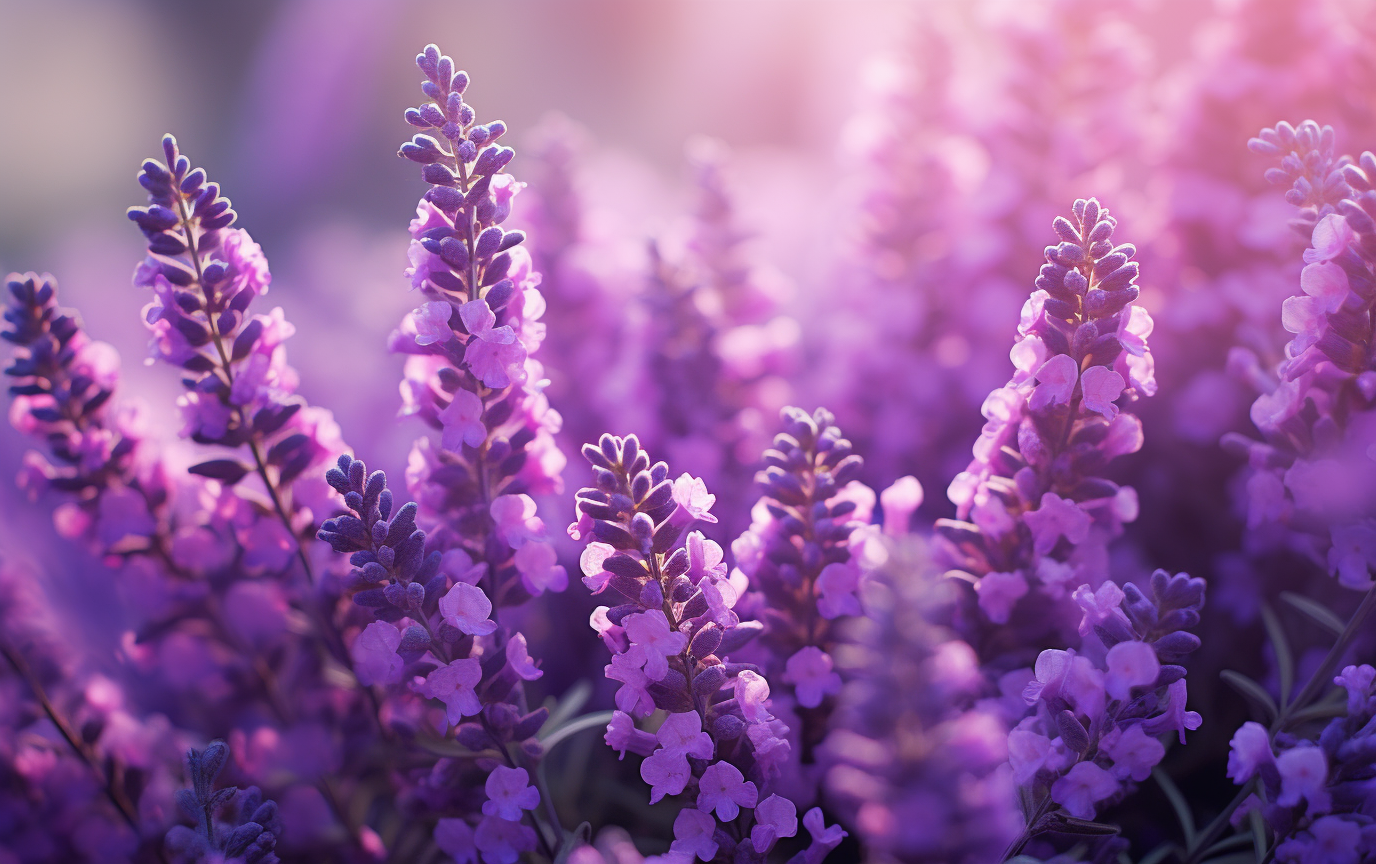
[
  {"x": 1311, "y": 690},
  {"x": 122, "y": 804}
]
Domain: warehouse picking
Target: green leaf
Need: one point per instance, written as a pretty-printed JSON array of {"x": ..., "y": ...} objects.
[
  {"x": 1157, "y": 855},
  {"x": 1063, "y": 824},
  {"x": 1285, "y": 661},
  {"x": 1178, "y": 803},
  {"x": 1253, "y": 692},
  {"x": 1229, "y": 843},
  {"x": 588, "y": 721},
  {"x": 1258, "y": 826},
  {"x": 569, "y": 706},
  {"x": 1317, "y": 612},
  {"x": 1322, "y": 711},
  {"x": 580, "y": 836}
]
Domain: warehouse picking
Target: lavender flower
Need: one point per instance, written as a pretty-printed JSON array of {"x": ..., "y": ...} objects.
[
  {"x": 909, "y": 679},
  {"x": 1035, "y": 516},
  {"x": 204, "y": 276},
  {"x": 1310, "y": 471},
  {"x": 590, "y": 276},
  {"x": 797, "y": 557},
  {"x": 1318, "y": 795},
  {"x": 1099, "y": 710},
  {"x": 439, "y": 637},
  {"x": 472, "y": 375},
  {"x": 716, "y": 349},
  {"x": 82, "y": 777},
  {"x": 63, "y": 389},
  {"x": 953, "y": 171},
  {"x": 248, "y": 836},
  {"x": 720, "y": 745}
]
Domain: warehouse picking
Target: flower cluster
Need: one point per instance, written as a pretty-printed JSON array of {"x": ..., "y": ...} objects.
[
  {"x": 62, "y": 394},
  {"x": 248, "y": 836},
  {"x": 1311, "y": 472},
  {"x": 405, "y": 673},
  {"x": 716, "y": 349},
  {"x": 670, "y": 638},
  {"x": 797, "y": 558},
  {"x": 1318, "y": 794},
  {"x": 590, "y": 277},
  {"x": 957, "y": 170},
  {"x": 471, "y": 373},
  {"x": 204, "y": 275},
  {"x": 948, "y": 796},
  {"x": 82, "y": 776},
  {"x": 1099, "y": 710},
  {"x": 1035, "y": 513},
  {"x": 441, "y": 640}
]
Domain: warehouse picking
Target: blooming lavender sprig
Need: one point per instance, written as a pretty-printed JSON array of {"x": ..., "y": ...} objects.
[
  {"x": 670, "y": 640},
  {"x": 1099, "y": 710},
  {"x": 63, "y": 386},
  {"x": 798, "y": 560},
  {"x": 1036, "y": 515},
  {"x": 442, "y": 639},
  {"x": 1318, "y": 795},
  {"x": 248, "y": 836},
  {"x": 951, "y": 189},
  {"x": 472, "y": 375},
  {"x": 1311, "y": 473},
  {"x": 204, "y": 275},
  {"x": 81, "y": 778},
  {"x": 909, "y": 679}
]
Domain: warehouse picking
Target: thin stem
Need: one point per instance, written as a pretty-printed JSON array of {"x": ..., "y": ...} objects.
[
  {"x": 115, "y": 795},
  {"x": 1027, "y": 832},
  {"x": 193, "y": 250},
  {"x": 1311, "y": 689},
  {"x": 1335, "y": 654}
]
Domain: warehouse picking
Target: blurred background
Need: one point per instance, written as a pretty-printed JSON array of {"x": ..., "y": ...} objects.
[
  {"x": 995, "y": 115},
  {"x": 295, "y": 107}
]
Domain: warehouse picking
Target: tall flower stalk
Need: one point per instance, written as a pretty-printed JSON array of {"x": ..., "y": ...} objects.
[
  {"x": 1035, "y": 514},
  {"x": 670, "y": 637}
]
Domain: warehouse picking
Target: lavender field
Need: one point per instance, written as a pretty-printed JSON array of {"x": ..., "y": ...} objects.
[{"x": 763, "y": 431}]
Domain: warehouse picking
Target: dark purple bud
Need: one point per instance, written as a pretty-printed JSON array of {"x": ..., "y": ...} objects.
[
  {"x": 1072, "y": 733},
  {"x": 709, "y": 679},
  {"x": 706, "y": 641},
  {"x": 416, "y": 638},
  {"x": 728, "y": 727}
]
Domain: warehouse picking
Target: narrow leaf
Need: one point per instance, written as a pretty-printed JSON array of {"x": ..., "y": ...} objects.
[
  {"x": 569, "y": 706},
  {"x": 1178, "y": 803},
  {"x": 229, "y": 471},
  {"x": 1254, "y": 692},
  {"x": 1317, "y": 612},
  {"x": 1159, "y": 854},
  {"x": 1258, "y": 826},
  {"x": 573, "y": 840},
  {"x": 1285, "y": 661},
  {"x": 1227, "y": 843},
  {"x": 587, "y": 721}
]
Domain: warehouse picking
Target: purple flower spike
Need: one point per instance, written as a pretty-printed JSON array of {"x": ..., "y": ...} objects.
[
  {"x": 1311, "y": 471},
  {"x": 471, "y": 374},
  {"x": 1035, "y": 514},
  {"x": 204, "y": 275},
  {"x": 798, "y": 558},
  {"x": 64, "y": 384},
  {"x": 670, "y": 634}
]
